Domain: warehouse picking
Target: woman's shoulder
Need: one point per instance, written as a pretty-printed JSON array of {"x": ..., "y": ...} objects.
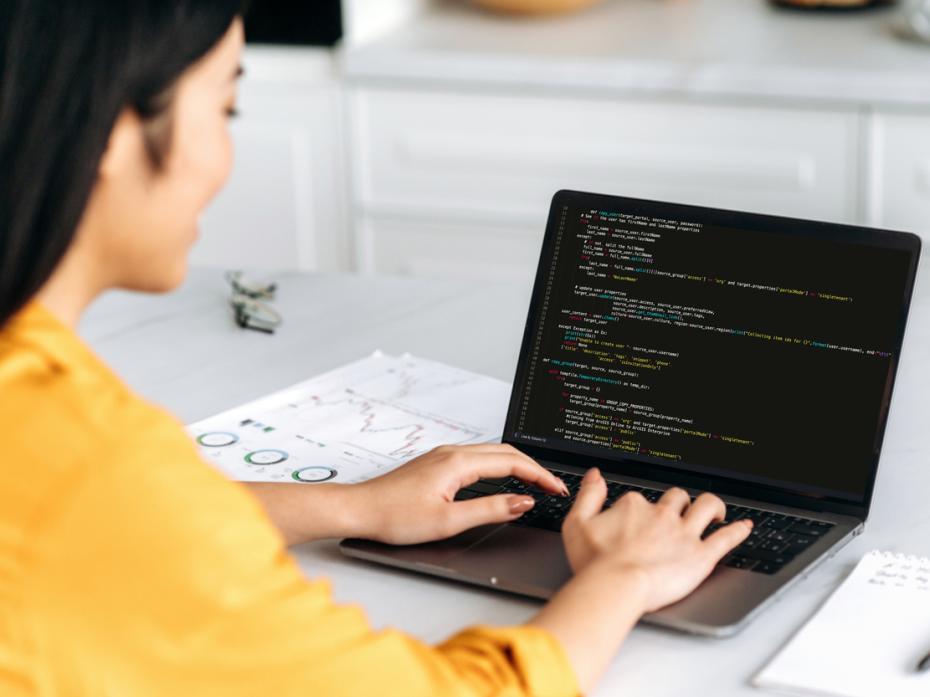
[
  {"x": 58, "y": 396},
  {"x": 68, "y": 423},
  {"x": 49, "y": 408}
]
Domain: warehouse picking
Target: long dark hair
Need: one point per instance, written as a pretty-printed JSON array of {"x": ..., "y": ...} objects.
[{"x": 67, "y": 70}]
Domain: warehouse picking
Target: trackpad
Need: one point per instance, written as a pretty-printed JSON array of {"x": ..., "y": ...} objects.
[{"x": 520, "y": 559}]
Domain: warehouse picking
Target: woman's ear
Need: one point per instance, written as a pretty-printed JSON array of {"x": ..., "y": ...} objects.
[{"x": 125, "y": 148}]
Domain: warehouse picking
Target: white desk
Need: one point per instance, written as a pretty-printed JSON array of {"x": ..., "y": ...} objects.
[{"x": 184, "y": 352}]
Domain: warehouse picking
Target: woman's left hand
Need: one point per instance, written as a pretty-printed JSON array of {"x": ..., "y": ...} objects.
[{"x": 416, "y": 502}]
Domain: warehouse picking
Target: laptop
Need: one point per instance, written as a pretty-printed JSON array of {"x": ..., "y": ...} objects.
[{"x": 747, "y": 355}]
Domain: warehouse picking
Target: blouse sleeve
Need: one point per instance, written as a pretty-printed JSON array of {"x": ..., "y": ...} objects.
[{"x": 154, "y": 575}]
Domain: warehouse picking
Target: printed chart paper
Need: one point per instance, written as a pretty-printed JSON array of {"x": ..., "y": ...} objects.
[{"x": 355, "y": 422}]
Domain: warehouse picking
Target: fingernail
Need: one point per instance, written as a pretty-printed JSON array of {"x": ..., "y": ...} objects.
[
  {"x": 564, "y": 488},
  {"x": 520, "y": 504},
  {"x": 748, "y": 522}
]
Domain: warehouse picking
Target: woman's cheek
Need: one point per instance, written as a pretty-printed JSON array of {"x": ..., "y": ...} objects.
[{"x": 223, "y": 161}]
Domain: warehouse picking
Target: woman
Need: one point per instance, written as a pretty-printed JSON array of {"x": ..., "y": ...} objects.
[{"x": 128, "y": 566}]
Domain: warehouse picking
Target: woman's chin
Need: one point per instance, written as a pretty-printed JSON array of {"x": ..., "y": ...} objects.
[
  {"x": 164, "y": 281},
  {"x": 176, "y": 278}
]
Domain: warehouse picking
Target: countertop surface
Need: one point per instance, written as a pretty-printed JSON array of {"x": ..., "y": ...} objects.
[
  {"x": 738, "y": 49},
  {"x": 184, "y": 352}
]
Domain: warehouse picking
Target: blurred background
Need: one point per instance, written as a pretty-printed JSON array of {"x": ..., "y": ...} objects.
[{"x": 426, "y": 137}]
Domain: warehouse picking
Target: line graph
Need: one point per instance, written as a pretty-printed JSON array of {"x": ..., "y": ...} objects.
[{"x": 357, "y": 421}]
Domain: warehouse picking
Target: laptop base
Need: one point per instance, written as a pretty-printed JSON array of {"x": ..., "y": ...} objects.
[{"x": 531, "y": 562}]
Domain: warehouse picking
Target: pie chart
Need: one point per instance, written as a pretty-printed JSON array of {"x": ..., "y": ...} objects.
[
  {"x": 217, "y": 439},
  {"x": 317, "y": 473},
  {"x": 266, "y": 457}
]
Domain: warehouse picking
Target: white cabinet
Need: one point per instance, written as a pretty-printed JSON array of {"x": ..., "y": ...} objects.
[
  {"x": 460, "y": 178},
  {"x": 284, "y": 206},
  {"x": 428, "y": 248},
  {"x": 899, "y": 174},
  {"x": 424, "y": 181}
]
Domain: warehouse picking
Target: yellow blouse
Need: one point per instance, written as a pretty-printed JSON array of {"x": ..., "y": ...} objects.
[{"x": 130, "y": 567}]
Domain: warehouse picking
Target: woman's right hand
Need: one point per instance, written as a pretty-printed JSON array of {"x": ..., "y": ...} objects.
[
  {"x": 661, "y": 542},
  {"x": 633, "y": 558}
]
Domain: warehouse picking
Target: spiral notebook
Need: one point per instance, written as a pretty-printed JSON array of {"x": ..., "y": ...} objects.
[{"x": 866, "y": 640}]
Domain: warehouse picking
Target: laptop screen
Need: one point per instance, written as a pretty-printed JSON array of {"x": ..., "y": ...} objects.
[{"x": 749, "y": 347}]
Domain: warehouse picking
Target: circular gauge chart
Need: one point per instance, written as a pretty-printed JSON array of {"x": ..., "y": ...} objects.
[
  {"x": 217, "y": 439},
  {"x": 313, "y": 474},
  {"x": 266, "y": 457}
]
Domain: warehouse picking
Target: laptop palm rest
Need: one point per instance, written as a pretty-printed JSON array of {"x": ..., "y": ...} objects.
[
  {"x": 532, "y": 562},
  {"x": 434, "y": 555},
  {"x": 515, "y": 558}
]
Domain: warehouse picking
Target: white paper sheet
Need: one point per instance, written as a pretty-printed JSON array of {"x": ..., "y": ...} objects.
[
  {"x": 866, "y": 640},
  {"x": 355, "y": 422}
]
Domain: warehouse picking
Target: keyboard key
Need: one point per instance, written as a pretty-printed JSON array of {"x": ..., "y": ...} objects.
[
  {"x": 757, "y": 517},
  {"x": 798, "y": 544},
  {"x": 738, "y": 561},
  {"x": 778, "y": 523},
  {"x": 769, "y": 555},
  {"x": 735, "y": 513},
  {"x": 465, "y": 494},
  {"x": 767, "y": 567},
  {"x": 806, "y": 528},
  {"x": 538, "y": 519},
  {"x": 485, "y": 486},
  {"x": 770, "y": 545}
]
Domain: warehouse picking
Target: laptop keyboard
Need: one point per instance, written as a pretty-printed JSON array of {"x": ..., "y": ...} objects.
[{"x": 775, "y": 540}]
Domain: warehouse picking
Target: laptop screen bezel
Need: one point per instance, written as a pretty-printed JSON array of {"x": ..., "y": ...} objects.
[{"x": 647, "y": 468}]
